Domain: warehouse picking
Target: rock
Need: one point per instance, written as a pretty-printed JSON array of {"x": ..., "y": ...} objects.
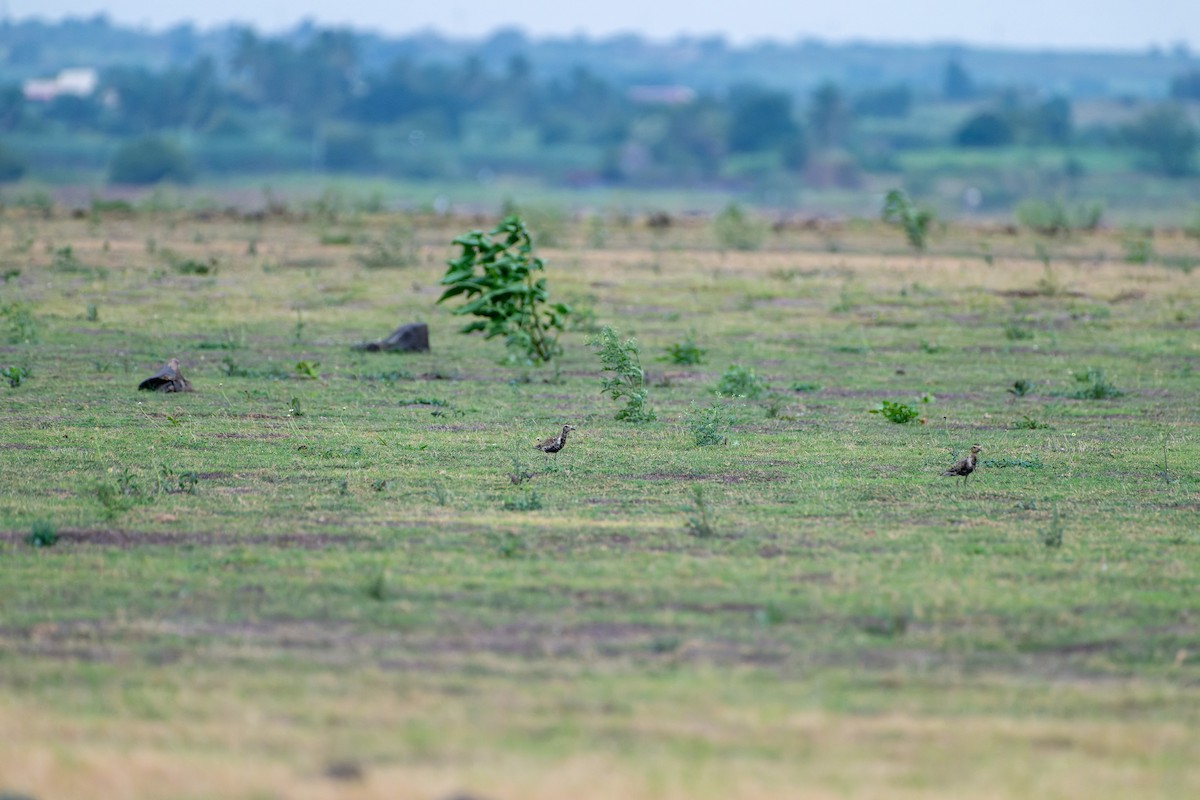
[
  {"x": 410, "y": 338},
  {"x": 167, "y": 379}
]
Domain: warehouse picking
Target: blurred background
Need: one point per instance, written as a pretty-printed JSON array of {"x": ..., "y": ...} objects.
[{"x": 1091, "y": 112}]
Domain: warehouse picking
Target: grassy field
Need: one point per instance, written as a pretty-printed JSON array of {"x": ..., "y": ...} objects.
[{"x": 316, "y": 575}]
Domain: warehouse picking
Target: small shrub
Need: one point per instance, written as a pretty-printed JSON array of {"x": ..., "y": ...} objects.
[
  {"x": 686, "y": 352},
  {"x": 15, "y": 375},
  {"x": 739, "y": 381},
  {"x": 1015, "y": 332},
  {"x": 1096, "y": 387},
  {"x": 1052, "y": 536},
  {"x": 22, "y": 327},
  {"x": 805, "y": 386},
  {"x": 377, "y": 586},
  {"x": 1138, "y": 250},
  {"x": 294, "y": 408},
  {"x": 192, "y": 266},
  {"x": 1020, "y": 387},
  {"x": 42, "y": 535},
  {"x": 308, "y": 369},
  {"x": 900, "y": 210},
  {"x": 510, "y": 545},
  {"x": 899, "y": 413},
  {"x": 709, "y": 425},
  {"x": 736, "y": 231},
  {"x": 628, "y": 380},
  {"x": 397, "y": 248},
  {"x": 505, "y": 294},
  {"x": 1047, "y": 217},
  {"x": 530, "y": 501},
  {"x": 150, "y": 159},
  {"x": 701, "y": 523},
  {"x": 1030, "y": 424}
]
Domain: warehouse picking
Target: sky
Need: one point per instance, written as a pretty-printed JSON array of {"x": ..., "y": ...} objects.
[{"x": 1057, "y": 24}]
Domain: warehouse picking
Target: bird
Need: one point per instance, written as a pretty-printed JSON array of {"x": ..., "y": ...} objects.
[
  {"x": 555, "y": 444},
  {"x": 964, "y": 466},
  {"x": 167, "y": 379}
]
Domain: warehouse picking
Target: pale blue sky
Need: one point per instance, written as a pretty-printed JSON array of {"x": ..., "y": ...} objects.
[{"x": 1013, "y": 23}]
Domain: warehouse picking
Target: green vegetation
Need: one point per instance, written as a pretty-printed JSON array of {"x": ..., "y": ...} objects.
[
  {"x": 506, "y": 294},
  {"x": 740, "y": 381},
  {"x": 628, "y": 380},
  {"x": 898, "y": 209},
  {"x": 686, "y": 353},
  {"x": 898, "y": 413},
  {"x": 249, "y": 602}
]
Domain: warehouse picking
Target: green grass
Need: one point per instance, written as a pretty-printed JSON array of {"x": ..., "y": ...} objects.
[{"x": 241, "y": 596}]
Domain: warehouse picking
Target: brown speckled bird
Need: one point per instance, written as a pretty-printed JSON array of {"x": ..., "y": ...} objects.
[
  {"x": 964, "y": 466},
  {"x": 555, "y": 444}
]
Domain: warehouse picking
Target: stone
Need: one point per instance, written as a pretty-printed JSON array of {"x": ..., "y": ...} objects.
[{"x": 410, "y": 338}]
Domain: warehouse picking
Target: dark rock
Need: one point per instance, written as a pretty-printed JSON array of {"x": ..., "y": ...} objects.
[
  {"x": 410, "y": 338},
  {"x": 167, "y": 379},
  {"x": 344, "y": 771}
]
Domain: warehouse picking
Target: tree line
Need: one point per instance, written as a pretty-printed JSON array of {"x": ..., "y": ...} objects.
[{"x": 441, "y": 117}]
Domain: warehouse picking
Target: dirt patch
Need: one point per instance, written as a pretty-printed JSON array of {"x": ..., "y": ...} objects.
[
  {"x": 125, "y": 540},
  {"x": 15, "y": 446}
]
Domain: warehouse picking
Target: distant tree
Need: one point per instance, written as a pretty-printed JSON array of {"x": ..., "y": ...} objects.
[
  {"x": 889, "y": 101},
  {"x": 829, "y": 116},
  {"x": 347, "y": 150},
  {"x": 12, "y": 166},
  {"x": 178, "y": 98},
  {"x": 1050, "y": 122},
  {"x": 12, "y": 107},
  {"x": 312, "y": 82},
  {"x": 760, "y": 119},
  {"x": 985, "y": 129},
  {"x": 150, "y": 159},
  {"x": 73, "y": 111},
  {"x": 1186, "y": 86},
  {"x": 693, "y": 143},
  {"x": 1166, "y": 136},
  {"x": 956, "y": 82}
]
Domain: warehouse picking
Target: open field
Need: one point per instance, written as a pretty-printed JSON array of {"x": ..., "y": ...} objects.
[{"x": 314, "y": 576}]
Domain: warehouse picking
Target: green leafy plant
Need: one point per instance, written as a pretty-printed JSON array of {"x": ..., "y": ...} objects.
[
  {"x": 709, "y": 425},
  {"x": 899, "y": 413},
  {"x": 499, "y": 280},
  {"x": 685, "y": 352},
  {"x": 628, "y": 380},
  {"x": 736, "y": 231},
  {"x": 898, "y": 209},
  {"x": 1028, "y": 423},
  {"x": 1138, "y": 249},
  {"x": 805, "y": 386},
  {"x": 1020, "y": 387},
  {"x": 529, "y": 501},
  {"x": 702, "y": 522},
  {"x": 739, "y": 381},
  {"x": 1096, "y": 386},
  {"x": 22, "y": 327},
  {"x": 308, "y": 369},
  {"x": 1015, "y": 332},
  {"x": 1052, "y": 536},
  {"x": 377, "y": 585},
  {"x": 42, "y": 535},
  {"x": 15, "y": 375},
  {"x": 397, "y": 248}
]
